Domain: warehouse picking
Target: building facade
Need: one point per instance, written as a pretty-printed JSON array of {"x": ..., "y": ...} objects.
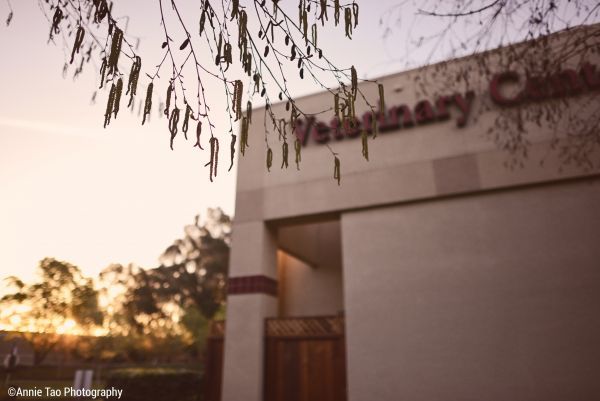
[{"x": 463, "y": 258}]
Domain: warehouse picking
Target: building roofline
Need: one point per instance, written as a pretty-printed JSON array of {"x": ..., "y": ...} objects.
[{"x": 451, "y": 60}]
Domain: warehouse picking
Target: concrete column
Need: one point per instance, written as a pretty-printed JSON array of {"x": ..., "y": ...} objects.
[{"x": 252, "y": 297}]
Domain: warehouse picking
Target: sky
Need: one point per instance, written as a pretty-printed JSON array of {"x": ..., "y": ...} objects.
[
  {"x": 72, "y": 190},
  {"x": 75, "y": 191}
]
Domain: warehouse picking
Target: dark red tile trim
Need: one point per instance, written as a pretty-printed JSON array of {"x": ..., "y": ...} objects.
[{"x": 252, "y": 285}]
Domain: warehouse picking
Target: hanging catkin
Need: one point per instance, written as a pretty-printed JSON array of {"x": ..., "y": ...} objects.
[
  {"x": 248, "y": 64},
  {"x": 101, "y": 10},
  {"x": 117, "y": 101},
  {"x": 269, "y": 159},
  {"x": 244, "y": 139},
  {"x": 202, "y": 22},
  {"x": 78, "y": 41},
  {"x": 249, "y": 111},
  {"x": 232, "y": 150},
  {"x": 173, "y": 120},
  {"x": 323, "y": 16},
  {"x": 168, "y": 104},
  {"x": 109, "y": 105},
  {"x": 186, "y": 120},
  {"x": 227, "y": 55},
  {"x": 293, "y": 117},
  {"x": 134, "y": 75},
  {"x": 56, "y": 18},
  {"x": 148, "y": 102},
  {"x": 354, "y": 82},
  {"x": 115, "y": 51},
  {"x": 284, "y": 153},
  {"x": 102, "y": 72},
  {"x": 235, "y": 8},
  {"x": 238, "y": 88},
  {"x": 305, "y": 26},
  {"x": 337, "y": 174},
  {"x": 242, "y": 26},
  {"x": 218, "y": 56},
  {"x": 198, "y": 133},
  {"x": 214, "y": 157},
  {"x": 298, "y": 149},
  {"x": 381, "y": 99},
  {"x": 348, "y": 22}
]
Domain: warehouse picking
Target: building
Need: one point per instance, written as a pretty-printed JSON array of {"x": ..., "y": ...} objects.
[{"x": 435, "y": 271}]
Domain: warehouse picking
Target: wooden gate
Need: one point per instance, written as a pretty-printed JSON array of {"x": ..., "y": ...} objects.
[
  {"x": 305, "y": 359},
  {"x": 213, "y": 367}
]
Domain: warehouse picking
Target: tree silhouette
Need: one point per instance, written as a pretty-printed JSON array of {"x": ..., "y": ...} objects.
[
  {"x": 63, "y": 299},
  {"x": 172, "y": 304}
]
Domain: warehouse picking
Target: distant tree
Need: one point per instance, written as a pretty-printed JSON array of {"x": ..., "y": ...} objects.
[
  {"x": 169, "y": 305},
  {"x": 196, "y": 326},
  {"x": 193, "y": 269},
  {"x": 63, "y": 301},
  {"x": 130, "y": 301}
]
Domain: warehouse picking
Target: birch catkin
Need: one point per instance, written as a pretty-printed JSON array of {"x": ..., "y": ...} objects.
[
  {"x": 232, "y": 150},
  {"x": 148, "y": 102},
  {"x": 381, "y": 99},
  {"x": 117, "y": 100},
  {"x": 109, "y": 104},
  {"x": 269, "y": 159},
  {"x": 78, "y": 41},
  {"x": 354, "y": 82},
  {"x": 134, "y": 75},
  {"x": 214, "y": 157},
  {"x": 198, "y": 133},
  {"x": 284, "y": 152},
  {"x": 298, "y": 149},
  {"x": 238, "y": 88},
  {"x": 173, "y": 120},
  {"x": 186, "y": 120},
  {"x": 115, "y": 50},
  {"x": 168, "y": 102},
  {"x": 348, "y": 22},
  {"x": 249, "y": 111},
  {"x": 244, "y": 138}
]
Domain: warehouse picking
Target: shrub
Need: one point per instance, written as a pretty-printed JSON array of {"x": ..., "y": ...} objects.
[{"x": 156, "y": 384}]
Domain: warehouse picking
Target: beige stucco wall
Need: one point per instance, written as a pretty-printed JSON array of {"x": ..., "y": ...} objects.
[
  {"x": 491, "y": 297},
  {"x": 463, "y": 279}
]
